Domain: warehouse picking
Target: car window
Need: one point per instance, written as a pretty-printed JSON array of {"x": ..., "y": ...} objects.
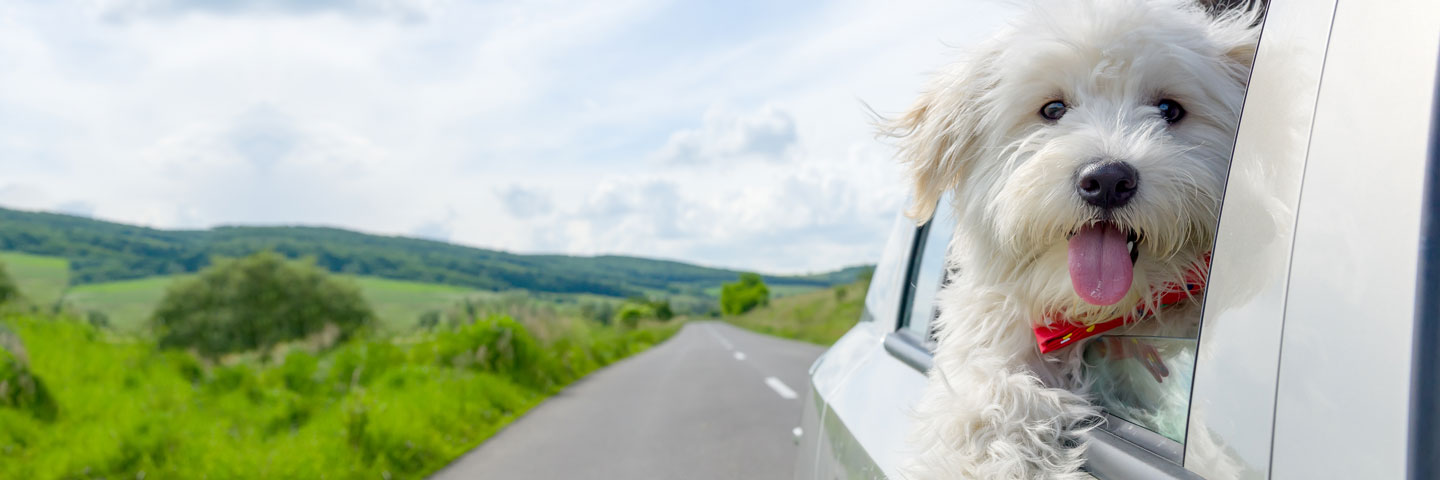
[
  {"x": 888, "y": 280},
  {"x": 928, "y": 274},
  {"x": 1145, "y": 380}
]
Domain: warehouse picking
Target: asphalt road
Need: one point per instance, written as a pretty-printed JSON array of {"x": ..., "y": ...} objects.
[{"x": 713, "y": 402}]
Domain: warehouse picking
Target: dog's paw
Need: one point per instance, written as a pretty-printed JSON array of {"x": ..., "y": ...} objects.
[{"x": 1013, "y": 427}]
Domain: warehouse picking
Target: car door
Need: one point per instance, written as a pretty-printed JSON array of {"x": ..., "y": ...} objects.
[{"x": 1310, "y": 308}]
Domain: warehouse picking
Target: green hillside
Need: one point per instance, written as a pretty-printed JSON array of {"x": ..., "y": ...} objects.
[
  {"x": 817, "y": 317},
  {"x": 101, "y": 251},
  {"x": 41, "y": 279}
]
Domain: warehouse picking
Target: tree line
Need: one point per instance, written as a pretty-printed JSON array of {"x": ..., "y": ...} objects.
[{"x": 102, "y": 251}]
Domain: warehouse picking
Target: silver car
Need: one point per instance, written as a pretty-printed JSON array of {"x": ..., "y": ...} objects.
[{"x": 1317, "y": 356}]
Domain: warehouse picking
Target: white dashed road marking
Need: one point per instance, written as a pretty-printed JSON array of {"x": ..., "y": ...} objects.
[
  {"x": 774, "y": 383},
  {"x": 780, "y": 388},
  {"x": 723, "y": 342}
]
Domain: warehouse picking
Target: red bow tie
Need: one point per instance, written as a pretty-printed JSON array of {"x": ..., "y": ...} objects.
[{"x": 1059, "y": 332}]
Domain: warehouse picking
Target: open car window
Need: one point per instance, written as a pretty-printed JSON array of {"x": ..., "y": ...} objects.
[{"x": 927, "y": 275}]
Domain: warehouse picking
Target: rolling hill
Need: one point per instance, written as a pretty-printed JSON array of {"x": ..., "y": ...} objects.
[{"x": 100, "y": 252}]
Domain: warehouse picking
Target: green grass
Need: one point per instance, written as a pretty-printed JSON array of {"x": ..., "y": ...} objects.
[
  {"x": 398, "y": 304},
  {"x": 819, "y": 317},
  {"x": 127, "y": 303},
  {"x": 41, "y": 279},
  {"x": 365, "y": 409}
]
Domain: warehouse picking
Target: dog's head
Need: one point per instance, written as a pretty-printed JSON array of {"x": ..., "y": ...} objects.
[{"x": 1087, "y": 145}]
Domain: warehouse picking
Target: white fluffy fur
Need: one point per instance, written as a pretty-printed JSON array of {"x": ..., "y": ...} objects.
[{"x": 987, "y": 413}]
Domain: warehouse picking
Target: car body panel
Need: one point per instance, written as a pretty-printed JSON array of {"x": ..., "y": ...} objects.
[
  {"x": 1233, "y": 394},
  {"x": 1345, "y": 361},
  {"x": 872, "y": 392},
  {"x": 1303, "y": 363}
]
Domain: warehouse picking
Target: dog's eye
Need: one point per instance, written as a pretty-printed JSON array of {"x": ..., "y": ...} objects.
[
  {"x": 1170, "y": 110},
  {"x": 1053, "y": 110}
]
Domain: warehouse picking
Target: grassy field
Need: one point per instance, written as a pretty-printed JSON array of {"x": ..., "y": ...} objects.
[
  {"x": 820, "y": 316},
  {"x": 127, "y": 303},
  {"x": 41, "y": 279},
  {"x": 397, "y": 303}
]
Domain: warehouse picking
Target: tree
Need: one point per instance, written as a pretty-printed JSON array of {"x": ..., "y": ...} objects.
[
  {"x": 256, "y": 302},
  {"x": 8, "y": 290},
  {"x": 744, "y": 295},
  {"x": 663, "y": 312},
  {"x": 630, "y": 314}
]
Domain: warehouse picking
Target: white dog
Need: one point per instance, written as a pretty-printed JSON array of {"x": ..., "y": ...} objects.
[{"x": 1087, "y": 147}]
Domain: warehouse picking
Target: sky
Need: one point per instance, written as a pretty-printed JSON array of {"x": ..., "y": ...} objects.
[{"x": 731, "y": 134}]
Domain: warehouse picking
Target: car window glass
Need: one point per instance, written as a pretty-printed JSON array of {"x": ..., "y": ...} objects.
[
  {"x": 888, "y": 279},
  {"x": 1145, "y": 380},
  {"x": 929, "y": 273}
]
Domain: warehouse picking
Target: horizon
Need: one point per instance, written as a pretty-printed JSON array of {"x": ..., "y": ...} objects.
[{"x": 826, "y": 271}]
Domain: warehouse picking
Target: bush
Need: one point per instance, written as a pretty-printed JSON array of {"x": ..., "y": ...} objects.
[
  {"x": 97, "y": 319},
  {"x": 8, "y": 290},
  {"x": 744, "y": 295},
  {"x": 502, "y": 346},
  {"x": 20, "y": 388},
  {"x": 255, "y": 303},
  {"x": 429, "y": 320},
  {"x": 630, "y": 314}
]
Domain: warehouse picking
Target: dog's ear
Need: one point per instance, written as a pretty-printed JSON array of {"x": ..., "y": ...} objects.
[
  {"x": 937, "y": 135},
  {"x": 1237, "y": 31}
]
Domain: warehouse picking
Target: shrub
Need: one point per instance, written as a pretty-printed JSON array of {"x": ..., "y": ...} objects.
[
  {"x": 20, "y": 388},
  {"x": 599, "y": 312},
  {"x": 502, "y": 346},
  {"x": 255, "y": 303},
  {"x": 429, "y": 320},
  {"x": 744, "y": 295},
  {"x": 663, "y": 312},
  {"x": 630, "y": 314},
  {"x": 97, "y": 319},
  {"x": 8, "y": 290}
]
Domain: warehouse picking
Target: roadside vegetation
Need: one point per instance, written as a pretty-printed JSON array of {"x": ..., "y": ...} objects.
[
  {"x": 262, "y": 367},
  {"x": 744, "y": 295},
  {"x": 819, "y": 317}
]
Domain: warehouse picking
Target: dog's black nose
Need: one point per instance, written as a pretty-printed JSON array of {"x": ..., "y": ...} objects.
[{"x": 1107, "y": 184}]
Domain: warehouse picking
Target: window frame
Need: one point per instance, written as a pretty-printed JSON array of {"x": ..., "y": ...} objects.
[
  {"x": 1117, "y": 448},
  {"x": 901, "y": 342}
]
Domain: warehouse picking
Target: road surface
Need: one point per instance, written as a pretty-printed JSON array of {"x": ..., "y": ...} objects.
[{"x": 713, "y": 402}]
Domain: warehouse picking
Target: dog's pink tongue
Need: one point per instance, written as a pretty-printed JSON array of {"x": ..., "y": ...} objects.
[{"x": 1100, "y": 268}]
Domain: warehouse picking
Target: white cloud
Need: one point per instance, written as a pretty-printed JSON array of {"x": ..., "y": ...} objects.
[
  {"x": 765, "y": 134},
  {"x": 403, "y": 10},
  {"x": 726, "y": 135}
]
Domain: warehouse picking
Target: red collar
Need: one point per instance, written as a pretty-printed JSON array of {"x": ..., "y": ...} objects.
[{"x": 1059, "y": 332}]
